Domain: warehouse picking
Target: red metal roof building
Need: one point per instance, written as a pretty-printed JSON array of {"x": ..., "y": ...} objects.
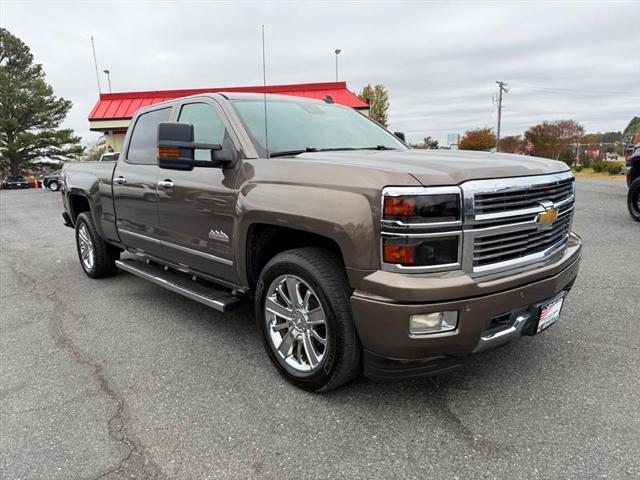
[{"x": 113, "y": 111}]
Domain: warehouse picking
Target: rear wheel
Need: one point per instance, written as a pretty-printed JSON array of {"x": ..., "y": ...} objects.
[
  {"x": 304, "y": 316},
  {"x": 633, "y": 199},
  {"x": 54, "y": 185},
  {"x": 96, "y": 257}
]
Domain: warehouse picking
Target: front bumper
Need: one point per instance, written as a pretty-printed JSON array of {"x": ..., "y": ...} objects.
[{"x": 390, "y": 352}]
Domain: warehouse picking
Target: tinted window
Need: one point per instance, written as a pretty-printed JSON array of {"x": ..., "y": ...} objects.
[
  {"x": 142, "y": 147},
  {"x": 298, "y": 124},
  {"x": 207, "y": 127}
]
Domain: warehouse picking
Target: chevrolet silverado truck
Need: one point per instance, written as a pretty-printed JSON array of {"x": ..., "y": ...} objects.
[{"x": 360, "y": 254}]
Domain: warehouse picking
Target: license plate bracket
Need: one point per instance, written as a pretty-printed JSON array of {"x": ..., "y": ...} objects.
[{"x": 549, "y": 313}]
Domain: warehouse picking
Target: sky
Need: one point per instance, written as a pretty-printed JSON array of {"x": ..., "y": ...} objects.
[{"x": 439, "y": 60}]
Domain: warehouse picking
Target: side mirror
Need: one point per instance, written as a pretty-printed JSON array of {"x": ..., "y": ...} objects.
[
  {"x": 400, "y": 135},
  {"x": 176, "y": 149}
]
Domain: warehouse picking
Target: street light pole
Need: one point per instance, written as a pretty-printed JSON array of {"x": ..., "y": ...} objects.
[
  {"x": 337, "y": 52},
  {"x": 107, "y": 72}
]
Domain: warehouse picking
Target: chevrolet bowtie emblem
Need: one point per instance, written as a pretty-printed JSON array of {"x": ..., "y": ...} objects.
[{"x": 547, "y": 218}]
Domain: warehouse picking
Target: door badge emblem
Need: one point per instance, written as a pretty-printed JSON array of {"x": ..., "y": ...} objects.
[{"x": 218, "y": 235}]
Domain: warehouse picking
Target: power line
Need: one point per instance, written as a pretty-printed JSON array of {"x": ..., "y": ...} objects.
[{"x": 575, "y": 90}]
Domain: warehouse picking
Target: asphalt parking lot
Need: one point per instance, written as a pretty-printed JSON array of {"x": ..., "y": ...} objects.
[{"x": 120, "y": 379}]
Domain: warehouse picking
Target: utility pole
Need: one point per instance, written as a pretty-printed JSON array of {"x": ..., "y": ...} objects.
[{"x": 502, "y": 88}]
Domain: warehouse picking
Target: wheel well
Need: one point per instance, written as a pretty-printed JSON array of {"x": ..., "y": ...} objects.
[
  {"x": 79, "y": 204},
  {"x": 266, "y": 241}
]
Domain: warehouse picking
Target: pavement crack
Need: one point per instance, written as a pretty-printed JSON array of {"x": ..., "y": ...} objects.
[{"x": 135, "y": 461}]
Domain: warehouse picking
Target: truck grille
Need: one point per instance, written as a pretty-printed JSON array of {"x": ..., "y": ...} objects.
[
  {"x": 507, "y": 246},
  {"x": 519, "y": 199},
  {"x": 503, "y": 228}
]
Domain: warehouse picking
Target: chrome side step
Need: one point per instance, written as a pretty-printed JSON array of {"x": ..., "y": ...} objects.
[{"x": 221, "y": 300}]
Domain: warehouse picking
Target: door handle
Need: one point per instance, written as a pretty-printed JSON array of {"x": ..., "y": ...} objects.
[
  {"x": 120, "y": 180},
  {"x": 165, "y": 183}
]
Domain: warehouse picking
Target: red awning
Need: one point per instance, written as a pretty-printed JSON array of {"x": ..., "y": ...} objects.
[{"x": 121, "y": 106}]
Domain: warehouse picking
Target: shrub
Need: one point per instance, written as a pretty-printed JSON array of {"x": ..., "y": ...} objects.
[
  {"x": 598, "y": 166},
  {"x": 614, "y": 168},
  {"x": 586, "y": 162},
  {"x": 577, "y": 168}
]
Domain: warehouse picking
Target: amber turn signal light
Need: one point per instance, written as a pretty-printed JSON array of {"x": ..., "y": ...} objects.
[
  {"x": 402, "y": 254},
  {"x": 168, "y": 152},
  {"x": 399, "y": 207}
]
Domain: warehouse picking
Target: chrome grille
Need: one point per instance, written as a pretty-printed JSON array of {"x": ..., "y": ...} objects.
[
  {"x": 501, "y": 228},
  {"x": 507, "y": 246},
  {"x": 518, "y": 199}
]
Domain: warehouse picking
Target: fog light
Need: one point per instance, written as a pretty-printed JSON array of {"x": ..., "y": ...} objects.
[{"x": 437, "y": 322}]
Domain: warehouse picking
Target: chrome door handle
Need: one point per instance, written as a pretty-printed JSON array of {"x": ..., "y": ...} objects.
[
  {"x": 119, "y": 180},
  {"x": 165, "y": 183}
]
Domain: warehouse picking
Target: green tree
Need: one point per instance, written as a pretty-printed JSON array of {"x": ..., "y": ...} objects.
[
  {"x": 427, "y": 143},
  {"x": 478, "y": 139},
  {"x": 377, "y": 98},
  {"x": 29, "y": 112},
  {"x": 632, "y": 132}
]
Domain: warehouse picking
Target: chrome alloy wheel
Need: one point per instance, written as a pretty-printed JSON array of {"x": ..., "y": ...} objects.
[
  {"x": 87, "y": 251},
  {"x": 296, "y": 324}
]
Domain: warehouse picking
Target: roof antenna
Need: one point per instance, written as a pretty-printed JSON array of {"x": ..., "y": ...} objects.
[
  {"x": 95, "y": 64},
  {"x": 264, "y": 84}
]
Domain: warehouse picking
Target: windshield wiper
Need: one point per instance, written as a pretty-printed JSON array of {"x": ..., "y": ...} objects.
[
  {"x": 377, "y": 147},
  {"x": 292, "y": 153}
]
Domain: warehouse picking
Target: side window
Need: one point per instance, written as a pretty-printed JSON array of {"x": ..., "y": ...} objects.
[
  {"x": 207, "y": 127},
  {"x": 142, "y": 147}
]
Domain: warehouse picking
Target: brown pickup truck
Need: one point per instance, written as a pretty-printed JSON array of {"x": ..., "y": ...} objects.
[{"x": 360, "y": 254}]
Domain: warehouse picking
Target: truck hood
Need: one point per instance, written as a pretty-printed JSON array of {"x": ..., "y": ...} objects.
[{"x": 441, "y": 167}]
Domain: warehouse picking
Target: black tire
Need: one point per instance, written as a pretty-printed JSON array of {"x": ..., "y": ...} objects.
[
  {"x": 53, "y": 186},
  {"x": 104, "y": 256},
  {"x": 633, "y": 202},
  {"x": 325, "y": 274}
]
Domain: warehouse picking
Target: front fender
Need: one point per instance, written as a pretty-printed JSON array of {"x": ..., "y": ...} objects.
[{"x": 345, "y": 217}]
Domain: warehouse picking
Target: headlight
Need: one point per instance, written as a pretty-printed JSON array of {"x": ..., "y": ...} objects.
[
  {"x": 415, "y": 209},
  {"x": 421, "y": 228}
]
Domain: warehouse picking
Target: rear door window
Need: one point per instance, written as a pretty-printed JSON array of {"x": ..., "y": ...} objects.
[{"x": 142, "y": 146}]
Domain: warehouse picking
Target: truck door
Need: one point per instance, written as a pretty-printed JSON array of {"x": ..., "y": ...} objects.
[
  {"x": 196, "y": 208},
  {"x": 135, "y": 181}
]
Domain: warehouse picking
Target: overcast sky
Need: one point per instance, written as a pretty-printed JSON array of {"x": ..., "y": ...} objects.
[{"x": 439, "y": 61}]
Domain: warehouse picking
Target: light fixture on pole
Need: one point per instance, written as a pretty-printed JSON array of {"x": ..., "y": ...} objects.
[
  {"x": 107, "y": 72},
  {"x": 337, "y": 52}
]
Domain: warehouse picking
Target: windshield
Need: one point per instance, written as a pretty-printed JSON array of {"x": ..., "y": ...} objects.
[
  {"x": 15, "y": 178},
  {"x": 299, "y": 125}
]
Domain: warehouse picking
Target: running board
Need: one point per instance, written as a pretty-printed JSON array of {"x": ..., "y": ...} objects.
[{"x": 221, "y": 300}]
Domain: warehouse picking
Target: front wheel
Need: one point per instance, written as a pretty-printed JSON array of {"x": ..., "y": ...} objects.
[
  {"x": 95, "y": 255},
  {"x": 633, "y": 199},
  {"x": 54, "y": 186},
  {"x": 304, "y": 315}
]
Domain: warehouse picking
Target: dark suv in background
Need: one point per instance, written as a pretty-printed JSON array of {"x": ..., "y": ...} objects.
[{"x": 632, "y": 170}]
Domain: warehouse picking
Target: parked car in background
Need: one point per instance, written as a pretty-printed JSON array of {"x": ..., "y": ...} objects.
[
  {"x": 15, "y": 181},
  {"x": 632, "y": 171},
  {"x": 110, "y": 157},
  {"x": 52, "y": 180}
]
